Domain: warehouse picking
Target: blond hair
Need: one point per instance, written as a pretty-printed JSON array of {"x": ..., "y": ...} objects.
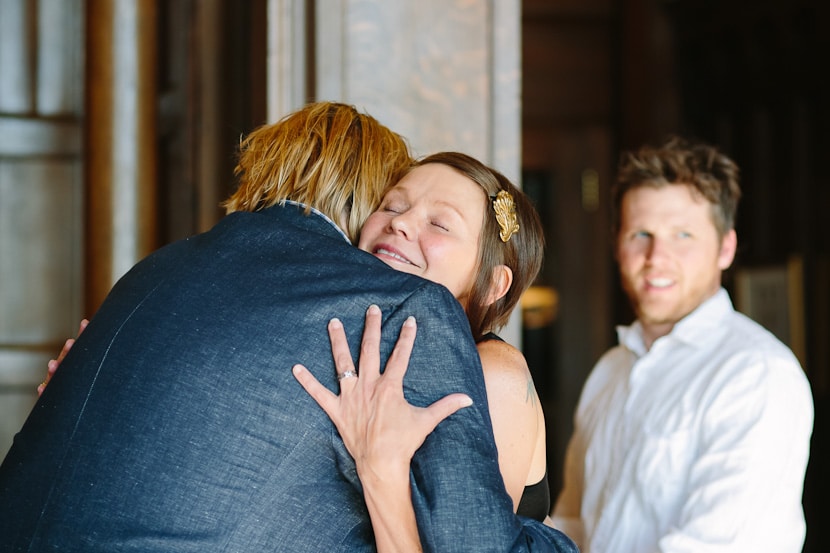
[{"x": 327, "y": 156}]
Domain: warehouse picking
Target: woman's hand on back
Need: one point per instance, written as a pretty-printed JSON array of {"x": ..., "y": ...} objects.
[
  {"x": 380, "y": 428},
  {"x": 53, "y": 364}
]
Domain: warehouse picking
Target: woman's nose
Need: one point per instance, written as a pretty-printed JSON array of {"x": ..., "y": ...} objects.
[{"x": 402, "y": 224}]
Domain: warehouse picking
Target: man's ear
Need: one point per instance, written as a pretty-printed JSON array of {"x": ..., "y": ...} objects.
[
  {"x": 728, "y": 247},
  {"x": 500, "y": 283}
]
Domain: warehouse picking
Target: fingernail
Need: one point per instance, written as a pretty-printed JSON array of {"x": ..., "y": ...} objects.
[
  {"x": 373, "y": 309},
  {"x": 466, "y": 401},
  {"x": 335, "y": 323},
  {"x": 410, "y": 321}
]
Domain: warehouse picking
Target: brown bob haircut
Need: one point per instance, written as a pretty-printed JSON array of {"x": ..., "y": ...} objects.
[{"x": 522, "y": 253}]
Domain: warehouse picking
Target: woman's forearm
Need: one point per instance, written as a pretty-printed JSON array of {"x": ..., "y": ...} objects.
[{"x": 389, "y": 502}]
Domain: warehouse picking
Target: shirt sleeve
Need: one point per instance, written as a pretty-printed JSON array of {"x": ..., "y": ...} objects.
[
  {"x": 745, "y": 486},
  {"x": 567, "y": 510},
  {"x": 457, "y": 490}
]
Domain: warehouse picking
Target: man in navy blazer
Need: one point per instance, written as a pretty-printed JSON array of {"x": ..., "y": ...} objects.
[{"x": 175, "y": 423}]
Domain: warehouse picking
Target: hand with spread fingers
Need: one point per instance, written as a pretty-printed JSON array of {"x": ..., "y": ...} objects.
[
  {"x": 379, "y": 427},
  {"x": 371, "y": 413}
]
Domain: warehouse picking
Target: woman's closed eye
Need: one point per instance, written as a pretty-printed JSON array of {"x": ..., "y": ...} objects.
[
  {"x": 440, "y": 224},
  {"x": 394, "y": 207}
]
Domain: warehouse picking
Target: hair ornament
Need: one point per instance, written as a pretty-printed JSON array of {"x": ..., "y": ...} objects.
[{"x": 505, "y": 210}]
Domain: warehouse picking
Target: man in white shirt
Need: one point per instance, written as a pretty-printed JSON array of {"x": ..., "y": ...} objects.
[{"x": 692, "y": 434}]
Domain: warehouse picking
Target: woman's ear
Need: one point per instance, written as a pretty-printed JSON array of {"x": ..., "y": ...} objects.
[{"x": 500, "y": 283}]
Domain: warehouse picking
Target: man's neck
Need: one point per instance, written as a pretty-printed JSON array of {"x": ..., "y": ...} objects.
[{"x": 652, "y": 332}]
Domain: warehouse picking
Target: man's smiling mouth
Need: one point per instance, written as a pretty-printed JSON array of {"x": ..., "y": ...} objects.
[{"x": 660, "y": 282}]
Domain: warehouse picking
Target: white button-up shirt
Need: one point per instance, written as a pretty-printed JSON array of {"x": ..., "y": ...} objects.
[{"x": 698, "y": 444}]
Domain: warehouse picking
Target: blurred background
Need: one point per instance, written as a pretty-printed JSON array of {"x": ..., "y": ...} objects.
[{"x": 119, "y": 121}]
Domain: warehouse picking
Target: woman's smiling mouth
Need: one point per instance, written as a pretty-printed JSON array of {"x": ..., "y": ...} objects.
[{"x": 388, "y": 253}]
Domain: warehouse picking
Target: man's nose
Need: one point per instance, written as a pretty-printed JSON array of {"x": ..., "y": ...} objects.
[{"x": 657, "y": 248}]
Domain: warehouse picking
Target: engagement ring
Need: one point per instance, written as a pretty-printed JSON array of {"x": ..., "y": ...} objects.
[{"x": 347, "y": 374}]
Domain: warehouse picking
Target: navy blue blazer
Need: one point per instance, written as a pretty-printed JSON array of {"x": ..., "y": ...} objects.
[{"x": 175, "y": 424}]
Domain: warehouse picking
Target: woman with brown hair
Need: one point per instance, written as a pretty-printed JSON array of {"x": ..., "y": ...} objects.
[{"x": 459, "y": 223}]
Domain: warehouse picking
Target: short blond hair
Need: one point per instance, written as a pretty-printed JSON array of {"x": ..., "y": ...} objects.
[{"x": 326, "y": 155}]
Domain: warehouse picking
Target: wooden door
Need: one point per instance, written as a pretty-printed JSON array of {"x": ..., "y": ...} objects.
[{"x": 41, "y": 194}]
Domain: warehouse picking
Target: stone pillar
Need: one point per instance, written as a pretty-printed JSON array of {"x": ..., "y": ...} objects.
[{"x": 444, "y": 73}]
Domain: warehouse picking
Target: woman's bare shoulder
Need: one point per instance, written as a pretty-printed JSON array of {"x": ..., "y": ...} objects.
[{"x": 502, "y": 361}]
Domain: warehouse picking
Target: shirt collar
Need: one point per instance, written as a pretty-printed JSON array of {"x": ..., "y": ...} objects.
[
  {"x": 690, "y": 329},
  {"x": 318, "y": 213}
]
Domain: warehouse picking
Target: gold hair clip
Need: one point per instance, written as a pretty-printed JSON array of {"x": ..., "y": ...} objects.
[{"x": 505, "y": 215}]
